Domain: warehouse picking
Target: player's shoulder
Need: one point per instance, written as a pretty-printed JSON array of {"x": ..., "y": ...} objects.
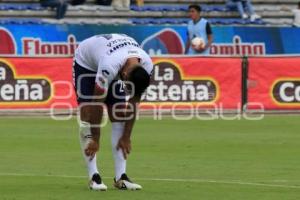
[
  {"x": 203, "y": 20},
  {"x": 121, "y": 36},
  {"x": 190, "y": 22},
  {"x": 296, "y": 11},
  {"x": 91, "y": 41},
  {"x": 146, "y": 61},
  {"x": 141, "y": 53},
  {"x": 146, "y": 55}
]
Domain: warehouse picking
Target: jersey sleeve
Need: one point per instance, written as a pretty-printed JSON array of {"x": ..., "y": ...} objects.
[
  {"x": 295, "y": 11},
  {"x": 105, "y": 75},
  {"x": 146, "y": 62},
  {"x": 208, "y": 29}
]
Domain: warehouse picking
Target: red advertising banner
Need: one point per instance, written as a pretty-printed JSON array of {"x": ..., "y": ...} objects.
[
  {"x": 183, "y": 82},
  {"x": 274, "y": 83},
  {"x": 195, "y": 82},
  {"x": 36, "y": 83}
]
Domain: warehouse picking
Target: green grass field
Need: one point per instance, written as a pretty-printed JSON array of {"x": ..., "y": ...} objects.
[{"x": 250, "y": 160}]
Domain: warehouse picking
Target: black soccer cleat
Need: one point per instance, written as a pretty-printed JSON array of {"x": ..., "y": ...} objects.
[
  {"x": 97, "y": 184},
  {"x": 124, "y": 183}
]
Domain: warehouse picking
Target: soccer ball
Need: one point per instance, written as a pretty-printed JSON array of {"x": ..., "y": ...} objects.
[{"x": 198, "y": 42}]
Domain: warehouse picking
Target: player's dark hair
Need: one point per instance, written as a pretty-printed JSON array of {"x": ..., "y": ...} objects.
[
  {"x": 196, "y": 7},
  {"x": 140, "y": 79},
  {"x": 298, "y": 4}
]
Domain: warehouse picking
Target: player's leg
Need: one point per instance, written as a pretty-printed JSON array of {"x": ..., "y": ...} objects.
[
  {"x": 89, "y": 114},
  {"x": 86, "y": 122},
  {"x": 116, "y": 104},
  {"x": 126, "y": 4},
  {"x": 241, "y": 9},
  {"x": 250, "y": 8},
  {"x": 117, "y": 124}
]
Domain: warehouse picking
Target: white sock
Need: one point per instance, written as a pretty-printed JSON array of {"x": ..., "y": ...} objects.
[
  {"x": 84, "y": 137},
  {"x": 120, "y": 162}
]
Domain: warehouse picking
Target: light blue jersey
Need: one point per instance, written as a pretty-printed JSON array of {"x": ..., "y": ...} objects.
[{"x": 198, "y": 30}]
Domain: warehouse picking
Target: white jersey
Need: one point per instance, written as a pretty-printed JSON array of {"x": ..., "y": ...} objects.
[{"x": 106, "y": 54}]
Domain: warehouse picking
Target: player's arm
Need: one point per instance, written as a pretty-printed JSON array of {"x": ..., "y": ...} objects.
[
  {"x": 209, "y": 36},
  {"x": 94, "y": 112},
  {"x": 131, "y": 114},
  {"x": 131, "y": 111},
  {"x": 188, "y": 44}
]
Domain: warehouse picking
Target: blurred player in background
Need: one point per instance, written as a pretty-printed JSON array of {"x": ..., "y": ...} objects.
[
  {"x": 60, "y": 6},
  {"x": 296, "y": 13},
  {"x": 101, "y": 64},
  {"x": 198, "y": 27},
  {"x": 121, "y": 4}
]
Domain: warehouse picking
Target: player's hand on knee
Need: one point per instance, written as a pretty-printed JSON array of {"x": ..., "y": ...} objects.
[
  {"x": 91, "y": 149},
  {"x": 125, "y": 145}
]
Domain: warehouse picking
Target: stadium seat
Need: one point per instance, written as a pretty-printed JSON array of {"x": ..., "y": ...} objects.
[
  {"x": 145, "y": 21},
  {"x": 20, "y": 6},
  {"x": 161, "y": 8},
  {"x": 139, "y": 21},
  {"x": 20, "y": 21},
  {"x": 215, "y": 21},
  {"x": 219, "y": 8}
]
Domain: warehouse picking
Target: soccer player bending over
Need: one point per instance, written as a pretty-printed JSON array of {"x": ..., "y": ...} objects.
[{"x": 106, "y": 69}]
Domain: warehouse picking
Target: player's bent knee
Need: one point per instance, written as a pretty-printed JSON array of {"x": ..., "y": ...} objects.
[
  {"x": 117, "y": 118},
  {"x": 85, "y": 114},
  {"x": 116, "y": 115},
  {"x": 91, "y": 113}
]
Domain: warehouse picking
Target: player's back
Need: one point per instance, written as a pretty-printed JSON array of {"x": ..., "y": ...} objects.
[{"x": 91, "y": 50}]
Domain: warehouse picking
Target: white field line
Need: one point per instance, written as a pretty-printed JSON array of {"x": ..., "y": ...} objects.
[{"x": 231, "y": 182}]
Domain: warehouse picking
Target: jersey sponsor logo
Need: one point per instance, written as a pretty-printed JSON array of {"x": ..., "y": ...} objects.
[
  {"x": 286, "y": 91},
  {"x": 170, "y": 85},
  {"x": 120, "y": 44},
  {"x": 22, "y": 89},
  {"x": 105, "y": 73}
]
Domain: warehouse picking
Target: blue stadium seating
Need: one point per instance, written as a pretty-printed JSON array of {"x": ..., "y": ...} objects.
[
  {"x": 147, "y": 21},
  {"x": 20, "y": 21},
  {"x": 18, "y": 6},
  {"x": 215, "y": 21},
  {"x": 273, "y": 12},
  {"x": 153, "y": 8},
  {"x": 143, "y": 21}
]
